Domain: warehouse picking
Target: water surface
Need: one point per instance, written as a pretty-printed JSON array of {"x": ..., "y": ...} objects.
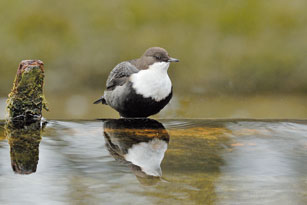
[
  {"x": 182, "y": 105},
  {"x": 155, "y": 162}
]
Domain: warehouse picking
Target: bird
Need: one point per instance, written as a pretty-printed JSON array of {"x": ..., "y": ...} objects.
[{"x": 140, "y": 87}]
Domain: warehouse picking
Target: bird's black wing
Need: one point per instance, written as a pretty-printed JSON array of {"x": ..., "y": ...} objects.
[{"x": 119, "y": 75}]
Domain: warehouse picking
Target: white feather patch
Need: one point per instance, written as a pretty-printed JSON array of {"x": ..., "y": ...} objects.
[
  {"x": 148, "y": 156},
  {"x": 153, "y": 82}
]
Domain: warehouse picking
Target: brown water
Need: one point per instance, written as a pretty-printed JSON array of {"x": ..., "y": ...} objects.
[{"x": 155, "y": 162}]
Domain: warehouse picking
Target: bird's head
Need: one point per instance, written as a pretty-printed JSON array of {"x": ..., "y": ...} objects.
[{"x": 157, "y": 56}]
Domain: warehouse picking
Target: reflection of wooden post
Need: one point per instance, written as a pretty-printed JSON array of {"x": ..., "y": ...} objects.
[
  {"x": 26, "y": 99},
  {"x": 24, "y": 146}
]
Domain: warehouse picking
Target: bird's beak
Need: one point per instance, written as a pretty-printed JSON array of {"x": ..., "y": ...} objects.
[{"x": 172, "y": 60}]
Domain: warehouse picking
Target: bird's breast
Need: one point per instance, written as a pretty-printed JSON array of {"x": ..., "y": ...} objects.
[{"x": 152, "y": 83}]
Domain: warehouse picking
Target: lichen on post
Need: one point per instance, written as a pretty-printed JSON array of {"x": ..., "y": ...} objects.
[{"x": 26, "y": 100}]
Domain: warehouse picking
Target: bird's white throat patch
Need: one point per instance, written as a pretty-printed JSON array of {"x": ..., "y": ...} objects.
[{"x": 153, "y": 82}]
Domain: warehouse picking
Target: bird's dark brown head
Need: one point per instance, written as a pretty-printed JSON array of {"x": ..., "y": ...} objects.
[
  {"x": 158, "y": 55},
  {"x": 153, "y": 55}
]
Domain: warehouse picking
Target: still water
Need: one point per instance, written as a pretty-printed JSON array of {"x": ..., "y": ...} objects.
[{"x": 155, "y": 162}]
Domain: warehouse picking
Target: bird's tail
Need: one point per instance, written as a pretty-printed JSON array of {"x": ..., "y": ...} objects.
[{"x": 102, "y": 100}]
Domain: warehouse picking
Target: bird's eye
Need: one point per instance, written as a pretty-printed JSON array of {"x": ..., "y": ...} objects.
[{"x": 158, "y": 57}]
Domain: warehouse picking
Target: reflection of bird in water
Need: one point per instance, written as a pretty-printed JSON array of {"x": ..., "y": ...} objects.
[{"x": 141, "y": 143}]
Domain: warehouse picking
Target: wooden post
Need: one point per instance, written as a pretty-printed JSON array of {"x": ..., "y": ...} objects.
[{"x": 26, "y": 99}]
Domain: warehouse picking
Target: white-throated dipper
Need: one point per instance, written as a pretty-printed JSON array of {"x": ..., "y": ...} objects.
[{"x": 140, "y": 87}]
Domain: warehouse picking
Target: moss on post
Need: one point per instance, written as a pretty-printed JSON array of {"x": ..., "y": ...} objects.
[{"x": 26, "y": 100}]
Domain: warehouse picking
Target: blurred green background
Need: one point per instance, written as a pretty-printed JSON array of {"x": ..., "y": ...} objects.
[{"x": 239, "y": 58}]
